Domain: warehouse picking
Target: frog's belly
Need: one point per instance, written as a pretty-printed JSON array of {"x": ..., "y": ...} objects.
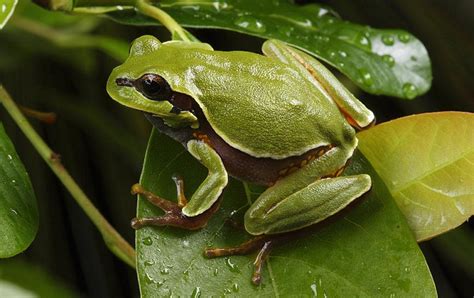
[{"x": 261, "y": 171}]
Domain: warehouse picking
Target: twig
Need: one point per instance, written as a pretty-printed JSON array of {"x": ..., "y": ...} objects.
[{"x": 112, "y": 238}]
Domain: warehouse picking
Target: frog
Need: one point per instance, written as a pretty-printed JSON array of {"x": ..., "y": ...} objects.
[{"x": 281, "y": 120}]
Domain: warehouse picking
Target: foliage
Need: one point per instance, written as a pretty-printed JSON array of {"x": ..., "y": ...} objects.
[
  {"x": 368, "y": 249},
  {"x": 18, "y": 210}
]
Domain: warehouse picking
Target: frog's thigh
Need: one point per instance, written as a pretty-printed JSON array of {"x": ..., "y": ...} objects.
[
  {"x": 313, "y": 69},
  {"x": 309, "y": 205},
  {"x": 211, "y": 188}
]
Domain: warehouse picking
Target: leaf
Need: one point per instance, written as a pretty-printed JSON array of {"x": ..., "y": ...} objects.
[
  {"x": 380, "y": 61},
  {"x": 6, "y": 11},
  {"x": 427, "y": 163},
  {"x": 18, "y": 210},
  {"x": 22, "y": 280},
  {"x": 368, "y": 251}
]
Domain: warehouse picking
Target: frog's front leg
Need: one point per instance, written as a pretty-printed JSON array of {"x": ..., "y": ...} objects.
[
  {"x": 203, "y": 203},
  {"x": 303, "y": 198}
]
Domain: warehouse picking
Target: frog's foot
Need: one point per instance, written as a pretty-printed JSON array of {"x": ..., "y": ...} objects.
[
  {"x": 173, "y": 211},
  {"x": 262, "y": 244}
]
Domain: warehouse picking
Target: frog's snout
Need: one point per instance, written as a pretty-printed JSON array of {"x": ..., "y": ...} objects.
[{"x": 124, "y": 82}]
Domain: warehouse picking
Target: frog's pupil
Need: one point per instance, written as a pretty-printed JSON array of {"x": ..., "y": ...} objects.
[
  {"x": 151, "y": 86},
  {"x": 154, "y": 87}
]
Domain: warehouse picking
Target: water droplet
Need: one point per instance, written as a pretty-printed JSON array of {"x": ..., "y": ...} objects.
[
  {"x": 186, "y": 243},
  {"x": 332, "y": 54},
  {"x": 13, "y": 181},
  {"x": 392, "y": 295},
  {"x": 233, "y": 267},
  {"x": 407, "y": 269},
  {"x": 191, "y": 7},
  {"x": 235, "y": 287},
  {"x": 227, "y": 291},
  {"x": 388, "y": 40},
  {"x": 196, "y": 292},
  {"x": 147, "y": 241},
  {"x": 389, "y": 60},
  {"x": 322, "y": 11},
  {"x": 364, "y": 41},
  {"x": 251, "y": 24},
  {"x": 220, "y": 5},
  {"x": 314, "y": 289},
  {"x": 216, "y": 271},
  {"x": 119, "y": 7},
  {"x": 366, "y": 77},
  {"x": 404, "y": 37},
  {"x": 165, "y": 271},
  {"x": 14, "y": 211},
  {"x": 342, "y": 54},
  {"x": 409, "y": 90},
  {"x": 285, "y": 31},
  {"x": 4, "y": 8},
  {"x": 10, "y": 157},
  {"x": 149, "y": 263},
  {"x": 149, "y": 279},
  {"x": 341, "y": 64}
]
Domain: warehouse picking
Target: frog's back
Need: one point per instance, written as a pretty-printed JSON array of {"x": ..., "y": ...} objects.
[{"x": 260, "y": 106}]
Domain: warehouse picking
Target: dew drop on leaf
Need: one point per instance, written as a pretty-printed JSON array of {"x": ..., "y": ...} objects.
[
  {"x": 314, "y": 289},
  {"x": 409, "y": 90},
  {"x": 389, "y": 60},
  {"x": 388, "y": 40},
  {"x": 233, "y": 267},
  {"x": 196, "y": 292},
  {"x": 364, "y": 41},
  {"x": 366, "y": 77},
  {"x": 147, "y": 241},
  {"x": 251, "y": 24},
  {"x": 342, "y": 54},
  {"x": 235, "y": 287},
  {"x": 404, "y": 37},
  {"x": 149, "y": 263}
]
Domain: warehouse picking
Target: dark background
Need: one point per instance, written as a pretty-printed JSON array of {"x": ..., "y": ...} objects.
[{"x": 102, "y": 144}]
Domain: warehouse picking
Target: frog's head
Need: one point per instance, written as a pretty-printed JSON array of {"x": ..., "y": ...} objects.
[{"x": 139, "y": 84}]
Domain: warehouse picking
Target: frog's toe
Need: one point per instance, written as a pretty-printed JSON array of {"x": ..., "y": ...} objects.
[{"x": 173, "y": 211}]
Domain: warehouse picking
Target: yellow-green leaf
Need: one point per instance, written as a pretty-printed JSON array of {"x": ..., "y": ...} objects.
[{"x": 427, "y": 162}]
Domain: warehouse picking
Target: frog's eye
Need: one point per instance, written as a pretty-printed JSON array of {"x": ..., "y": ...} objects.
[{"x": 153, "y": 87}]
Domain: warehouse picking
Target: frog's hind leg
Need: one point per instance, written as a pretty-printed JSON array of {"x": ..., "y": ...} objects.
[{"x": 263, "y": 244}]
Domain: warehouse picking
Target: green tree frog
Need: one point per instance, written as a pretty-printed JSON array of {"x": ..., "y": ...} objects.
[{"x": 281, "y": 120}]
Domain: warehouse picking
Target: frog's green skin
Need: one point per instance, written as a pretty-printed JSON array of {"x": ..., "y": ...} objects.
[{"x": 272, "y": 109}]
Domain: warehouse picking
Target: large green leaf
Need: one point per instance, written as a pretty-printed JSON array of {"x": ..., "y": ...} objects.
[
  {"x": 6, "y": 11},
  {"x": 18, "y": 210},
  {"x": 427, "y": 163},
  {"x": 22, "y": 280},
  {"x": 368, "y": 251},
  {"x": 390, "y": 62}
]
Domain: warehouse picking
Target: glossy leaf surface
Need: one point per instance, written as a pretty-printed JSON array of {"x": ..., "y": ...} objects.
[
  {"x": 7, "y": 7},
  {"x": 427, "y": 163},
  {"x": 367, "y": 251},
  {"x": 380, "y": 61},
  {"x": 18, "y": 210}
]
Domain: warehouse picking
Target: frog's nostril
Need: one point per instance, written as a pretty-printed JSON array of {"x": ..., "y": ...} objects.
[{"x": 124, "y": 82}]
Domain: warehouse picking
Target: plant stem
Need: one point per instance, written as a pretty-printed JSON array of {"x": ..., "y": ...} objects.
[
  {"x": 165, "y": 19},
  {"x": 112, "y": 238}
]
